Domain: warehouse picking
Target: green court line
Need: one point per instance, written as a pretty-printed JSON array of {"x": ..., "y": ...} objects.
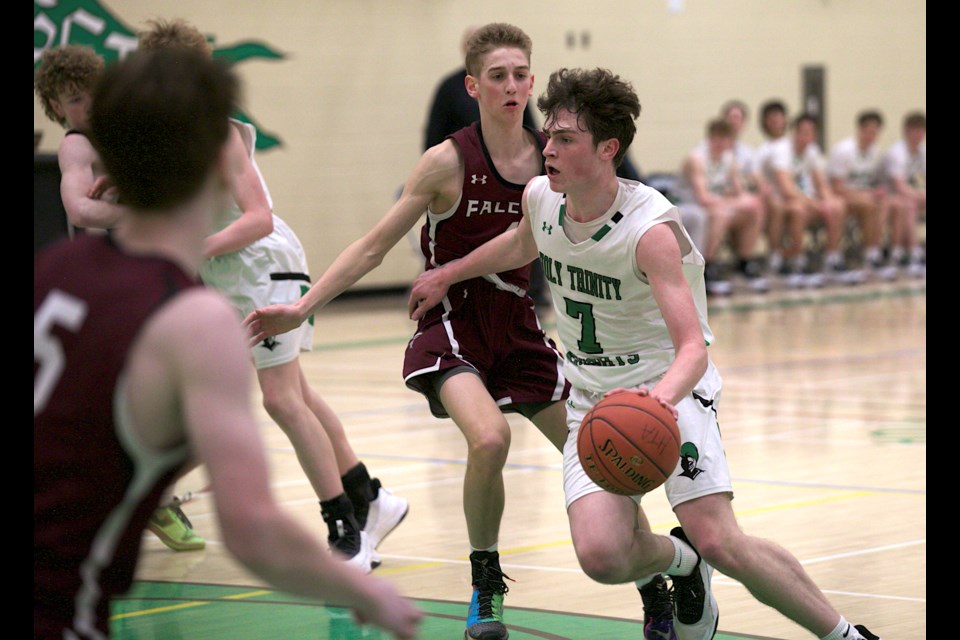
[{"x": 156, "y": 610}]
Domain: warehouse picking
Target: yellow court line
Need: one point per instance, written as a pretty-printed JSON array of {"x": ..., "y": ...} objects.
[
  {"x": 187, "y": 605},
  {"x": 669, "y": 525}
]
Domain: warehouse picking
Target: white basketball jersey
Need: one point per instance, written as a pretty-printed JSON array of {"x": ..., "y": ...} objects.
[{"x": 609, "y": 323}]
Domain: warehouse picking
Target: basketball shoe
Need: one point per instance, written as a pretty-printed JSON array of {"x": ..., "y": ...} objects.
[
  {"x": 697, "y": 614},
  {"x": 863, "y": 631},
  {"x": 344, "y": 534},
  {"x": 657, "y": 610},
  {"x": 485, "y": 615},
  {"x": 386, "y": 512},
  {"x": 170, "y": 524}
]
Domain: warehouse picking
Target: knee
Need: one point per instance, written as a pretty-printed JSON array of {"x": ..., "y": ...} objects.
[
  {"x": 601, "y": 563},
  {"x": 719, "y": 551},
  {"x": 279, "y": 405},
  {"x": 489, "y": 448}
]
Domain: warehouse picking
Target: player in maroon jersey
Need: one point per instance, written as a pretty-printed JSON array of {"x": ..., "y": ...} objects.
[
  {"x": 483, "y": 351},
  {"x": 138, "y": 370}
]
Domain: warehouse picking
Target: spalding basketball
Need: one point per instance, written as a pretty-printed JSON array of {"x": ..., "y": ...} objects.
[{"x": 628, "y": 443}]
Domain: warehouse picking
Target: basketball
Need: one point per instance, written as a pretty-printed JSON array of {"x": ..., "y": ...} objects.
[{"x": 628, "y": 444}]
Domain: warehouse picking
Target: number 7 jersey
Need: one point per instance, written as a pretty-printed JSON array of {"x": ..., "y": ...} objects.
[{"x": 611, "y": 327}]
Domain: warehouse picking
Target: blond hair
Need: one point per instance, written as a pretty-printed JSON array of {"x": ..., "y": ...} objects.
[{"x": 173, "y": 33}]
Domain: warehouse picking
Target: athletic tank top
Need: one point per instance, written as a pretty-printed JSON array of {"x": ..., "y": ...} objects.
[
  {"x": 607, "y": 318},
  {"x": 94, "y": 488},
  {"x": 488, "y": 206}
]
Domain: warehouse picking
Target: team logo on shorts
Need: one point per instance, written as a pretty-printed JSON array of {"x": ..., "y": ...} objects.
[
  {"x": 689, "y": 457},
  {"x": 270, "y": 343},
  {"x": 415, "y": 336}
]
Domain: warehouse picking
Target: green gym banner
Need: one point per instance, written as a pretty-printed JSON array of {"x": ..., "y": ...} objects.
[{"x": 91, "y": 23}]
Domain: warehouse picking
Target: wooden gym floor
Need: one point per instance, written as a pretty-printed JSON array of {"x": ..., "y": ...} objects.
[{"x": 824, "y": 424}]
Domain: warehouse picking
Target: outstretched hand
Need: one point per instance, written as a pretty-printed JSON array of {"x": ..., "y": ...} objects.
[
  {"x": 427, "y": 291},
  {"x": 388, "y": 610},
  {"x": 271, "y": 321}
]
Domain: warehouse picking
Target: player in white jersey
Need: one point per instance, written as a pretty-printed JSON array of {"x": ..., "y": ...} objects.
[
  {"x": 905, "y": 168},
  {"x": 735, "y": 113},
  {"x": 773, "y": 166},
  {"x": 811, "y": 194},
  {"x": 255, "y": 259},
  {"x": 855, "y": 170},
  {"x": 709, "y": 182},
  {"x": 628, "y": 292}
]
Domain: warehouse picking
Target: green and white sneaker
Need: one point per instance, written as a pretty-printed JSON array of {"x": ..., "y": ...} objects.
[
  {"x": 485, "y": 615},
  {"x": 170, "y": 524}
]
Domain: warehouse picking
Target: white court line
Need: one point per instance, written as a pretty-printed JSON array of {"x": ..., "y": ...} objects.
[{"x": 721, "y": 580}]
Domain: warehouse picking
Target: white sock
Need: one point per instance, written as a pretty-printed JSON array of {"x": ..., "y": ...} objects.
[
  {"x": 833, "y": 258},
  {"x": 684, "y": 558},
  {"x": 488, "y": 549},
  {"x": 843, "y": 631},
  {"x": 916, "y": 254},
  {"x": 896, "y": 254},
  {"x": 872, "y": 254}
]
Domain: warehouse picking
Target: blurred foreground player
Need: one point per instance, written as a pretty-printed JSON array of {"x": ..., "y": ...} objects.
[{"x": 139, "y": 370}]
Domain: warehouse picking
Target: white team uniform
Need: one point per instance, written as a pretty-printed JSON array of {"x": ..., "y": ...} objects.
[
  {"x": 717, "y": 174},
  {"x": 859, "y": 169},
  {"x": 613, "y": 333},
  {"x": 271, "y": 270},
  {"x": 803, "y": 166},
  {"x": 744, "y": 156},
  {"x": 772, "y": 156},
  {"x": 899, "y": 162}
]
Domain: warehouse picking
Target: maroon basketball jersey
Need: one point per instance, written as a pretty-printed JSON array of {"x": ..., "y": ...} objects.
[
  {"x": 489, "y": 205},
  {"x": 90, "y": 302}
]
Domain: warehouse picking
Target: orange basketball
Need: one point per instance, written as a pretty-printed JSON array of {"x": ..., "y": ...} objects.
[{"x": 628, "y": 443}]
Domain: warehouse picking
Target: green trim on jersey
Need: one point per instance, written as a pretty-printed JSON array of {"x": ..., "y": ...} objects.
[{"x": 602, "y": 231}]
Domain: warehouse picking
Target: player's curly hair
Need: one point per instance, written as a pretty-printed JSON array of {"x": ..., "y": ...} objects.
[
  {"x": 172, "y": 33},
  {"x": 62, "y": 69},
  {"x": 605, "y": 105}
]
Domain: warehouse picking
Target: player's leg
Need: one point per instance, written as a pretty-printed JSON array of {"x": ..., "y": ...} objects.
[
  {"x": 798, "y": 216},
  {"x": 700, "y": 493},
  {"x": 487, "y": 433},
  {"x": 625, "y": 550},
  {"x": 620, "y": 551},
  {"x": 377, "y": 510},
  {"x": 771, "y": 574},
  {"x": 284, "y": 401},
  {"x": 776, "y": 221},
  {"x": 746, "y": 229},
  {"x": 716, "y": 278},
  {"x": 467, "y": 401}
]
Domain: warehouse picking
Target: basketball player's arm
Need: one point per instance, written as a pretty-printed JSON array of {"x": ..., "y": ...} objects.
[
  {"x": 77, "y": 158},
  {"x": 256, "y": 221},
  {"x": 896, "y": 169},
  {"x": 737, "y": 185},
  {"x": 658, "y": 256},
  {"x": 434, "y": 182},
  {"x": 210, "y": 369},
  {"x": 786, "y": 184},
  {"x": 510, "y": 250},
  {"x": 698, "y": 180}
]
